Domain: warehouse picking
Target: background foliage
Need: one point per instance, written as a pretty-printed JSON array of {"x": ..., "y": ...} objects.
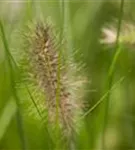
[{"x": 109, "y": 68}]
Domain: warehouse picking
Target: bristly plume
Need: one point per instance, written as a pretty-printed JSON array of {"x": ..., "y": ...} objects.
[
  {"x": 58, "y": 79},
  {"x": 126, "y": 38}
]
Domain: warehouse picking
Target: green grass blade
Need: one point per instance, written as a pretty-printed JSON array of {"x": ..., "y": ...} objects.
[
  {"x": 6, "y": 117},
  {"x": 18, "y": 113},
  {"x": 103, "y": 97},
  {"x": 111, "y": 73}
]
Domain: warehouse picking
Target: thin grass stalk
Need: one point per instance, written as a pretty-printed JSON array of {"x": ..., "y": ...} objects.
[
  {"x": 102, "y": 98},
  {"x": 111, "y": 74},
  {"x": 18, "y": 112},
  {"x": 67, "y": 32},
  {"x": 62, "y": 14},
  {"x": 29, "y": 10},
  {"x": 58, "y": 98},
  {"x": 40, "y": 115}
]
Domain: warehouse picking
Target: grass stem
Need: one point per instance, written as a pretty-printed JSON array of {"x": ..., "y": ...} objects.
[{"x": 111, "y": 73}]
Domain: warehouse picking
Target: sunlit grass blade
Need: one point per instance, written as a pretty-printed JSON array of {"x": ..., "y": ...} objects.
[{"x": 6, "y": 117}]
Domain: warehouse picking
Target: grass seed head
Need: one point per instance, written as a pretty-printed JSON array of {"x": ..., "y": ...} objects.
[{"x": 56, "y": 78}]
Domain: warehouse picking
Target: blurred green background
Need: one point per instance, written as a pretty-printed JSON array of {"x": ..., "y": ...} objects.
[{"x": 110, "y": 69}]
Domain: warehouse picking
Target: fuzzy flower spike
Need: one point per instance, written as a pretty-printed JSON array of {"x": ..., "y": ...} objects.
[{"x": 58, "y": 79}]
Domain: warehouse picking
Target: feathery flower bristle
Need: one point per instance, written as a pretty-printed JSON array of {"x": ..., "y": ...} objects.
[{"x": 52, "y": 76}]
